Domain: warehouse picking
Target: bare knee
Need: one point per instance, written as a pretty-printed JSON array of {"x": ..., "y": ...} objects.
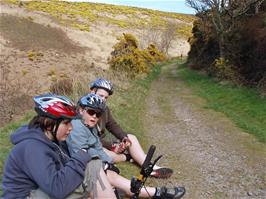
[
  {"x": 132, "y": 138},
  {"x": 106, "y": 192},
  {"x": 112, "y": 176}
]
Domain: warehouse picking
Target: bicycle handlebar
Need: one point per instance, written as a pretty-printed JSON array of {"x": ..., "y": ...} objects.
[
  {"x": 147, "y": 160},
  {"x": 146, "y": 169}
]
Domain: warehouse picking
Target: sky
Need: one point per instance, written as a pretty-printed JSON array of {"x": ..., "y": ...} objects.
[{"x": 177, "y": 6}]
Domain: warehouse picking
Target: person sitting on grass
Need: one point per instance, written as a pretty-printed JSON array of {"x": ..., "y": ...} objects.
[
  {"x": 128, "y": 146},
  {"x": 38, "y": 167},
  {"x": 84, "y": 135}
]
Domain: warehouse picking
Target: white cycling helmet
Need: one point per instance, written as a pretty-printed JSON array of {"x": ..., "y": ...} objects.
[{"x": 102, "y": 83}]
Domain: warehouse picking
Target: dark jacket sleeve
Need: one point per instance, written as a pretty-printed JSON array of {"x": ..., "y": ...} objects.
[
  {"x": 106, "y": 144},
  {"x": 56, "y": 182},
  {"x": 108, "y": 122}
]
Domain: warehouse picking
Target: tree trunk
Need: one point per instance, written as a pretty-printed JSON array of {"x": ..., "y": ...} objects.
[{"x": 221, "y": 45}]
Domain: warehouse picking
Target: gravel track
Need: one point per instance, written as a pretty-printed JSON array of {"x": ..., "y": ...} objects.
[{"x": 211, "y": 157}]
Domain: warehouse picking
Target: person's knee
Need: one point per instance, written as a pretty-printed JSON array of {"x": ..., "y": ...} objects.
[
  {"x": 112, "y": 176},
  {"x": 132, "y": 138},
  {"x": 107, "y": 191}
]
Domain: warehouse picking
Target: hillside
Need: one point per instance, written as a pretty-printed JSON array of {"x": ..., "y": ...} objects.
[{"x": 44, "y": 41}]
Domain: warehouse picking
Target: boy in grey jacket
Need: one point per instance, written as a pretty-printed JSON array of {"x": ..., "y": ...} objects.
[{"x": 91, "y": 107}]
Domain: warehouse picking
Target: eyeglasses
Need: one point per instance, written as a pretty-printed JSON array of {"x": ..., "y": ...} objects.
[
  {"x": 66, "y": 121},
  {"x": 93, "y": 112}
]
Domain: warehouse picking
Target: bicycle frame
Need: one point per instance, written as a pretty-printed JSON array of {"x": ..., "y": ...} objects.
[{"x": 146, "y": 170}]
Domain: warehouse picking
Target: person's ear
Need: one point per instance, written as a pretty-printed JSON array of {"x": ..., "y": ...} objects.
[
  {"x": 93, "y": 91},
  {"x": 81, "y": 111}
]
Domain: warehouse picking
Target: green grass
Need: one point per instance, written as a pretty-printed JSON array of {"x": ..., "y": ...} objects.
[
  {"x": 5, "y": 144},
  {"x": 128, "y": 108},
  {"x": 242, "y": 105}
]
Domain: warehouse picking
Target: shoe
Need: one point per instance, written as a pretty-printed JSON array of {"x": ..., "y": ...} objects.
[
  {"x": 169, "y": 193},
  {"x": 162, "y": 173},
  {"x": 128, "y": 157}
]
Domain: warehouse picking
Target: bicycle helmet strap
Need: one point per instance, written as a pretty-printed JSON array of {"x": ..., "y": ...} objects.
[{"x": 54, "y": 132}]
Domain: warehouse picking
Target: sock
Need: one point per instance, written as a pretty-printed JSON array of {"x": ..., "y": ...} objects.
[
  {"x": 128, "y": 157},
  {"x": 157, "y": 191}
]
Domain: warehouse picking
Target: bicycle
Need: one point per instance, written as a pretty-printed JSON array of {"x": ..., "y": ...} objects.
[
  {"x": 146, "y": 170},
  {"x": 138, "y": 182}
]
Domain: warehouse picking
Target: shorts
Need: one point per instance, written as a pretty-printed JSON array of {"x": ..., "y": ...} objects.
[{"x": 84, "y": 190}]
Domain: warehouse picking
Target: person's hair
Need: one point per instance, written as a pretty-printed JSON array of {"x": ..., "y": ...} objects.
[{"x": 42, "y": 122}]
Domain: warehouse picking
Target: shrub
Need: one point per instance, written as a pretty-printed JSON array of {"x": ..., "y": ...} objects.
[
  {"x": 224, "y": 70},
  {"x": 262, "y": 86},
  {"x": 24, "y": 72},
  {"x": 15, "y": 95},
  {"x": 127, "y": 57},
  {"x": 32, "y": 55},
  {"x": 162, "y": 36},
  {"x": 52, "y": 72},
  {"x": 62, "y": 86},
  {"x": 155, "y": 54},
  {"x": 244, "y": 47}
]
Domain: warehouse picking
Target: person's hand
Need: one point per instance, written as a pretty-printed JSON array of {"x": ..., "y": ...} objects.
[
  {"x": 118, "y": 147},
  {"x": 122, "y": 146},
  {"x": 127, "y": 142}
]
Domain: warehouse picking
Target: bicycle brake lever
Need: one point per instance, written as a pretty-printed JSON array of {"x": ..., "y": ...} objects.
[
  {"x": 148, "y": 170},
  {"x": 156, "y": 160}
]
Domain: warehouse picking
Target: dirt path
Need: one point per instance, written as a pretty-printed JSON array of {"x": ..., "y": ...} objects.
[{"x": 210, "y": 156}]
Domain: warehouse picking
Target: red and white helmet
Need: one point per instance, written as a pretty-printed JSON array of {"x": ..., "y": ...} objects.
[{"x": 55, "y": 107}]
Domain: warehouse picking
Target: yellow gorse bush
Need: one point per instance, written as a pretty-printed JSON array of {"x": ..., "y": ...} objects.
[
  {"x": 224, "y": 70},
  {"x": 33, "y": 55},
  {"x": 91, "y": 12},
  {"x": 127, "y": 56}
]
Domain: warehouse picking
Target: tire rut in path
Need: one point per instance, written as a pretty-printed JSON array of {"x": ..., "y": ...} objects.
[{"x": 209, "y": 155}]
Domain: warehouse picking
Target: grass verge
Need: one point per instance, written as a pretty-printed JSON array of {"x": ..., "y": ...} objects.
[
  {"x": 5, "y": 144},
  {"x": 242, "y": 105},
  {"x": 128, "y": 108}
]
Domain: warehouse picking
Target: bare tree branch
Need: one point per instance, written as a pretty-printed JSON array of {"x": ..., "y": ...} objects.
[{"x": 223, "y": 13}]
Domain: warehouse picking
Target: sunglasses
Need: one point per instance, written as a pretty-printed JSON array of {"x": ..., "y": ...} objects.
[
  {"x": 93, "y": 112},
  {"x": 66, "y": 121}
]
